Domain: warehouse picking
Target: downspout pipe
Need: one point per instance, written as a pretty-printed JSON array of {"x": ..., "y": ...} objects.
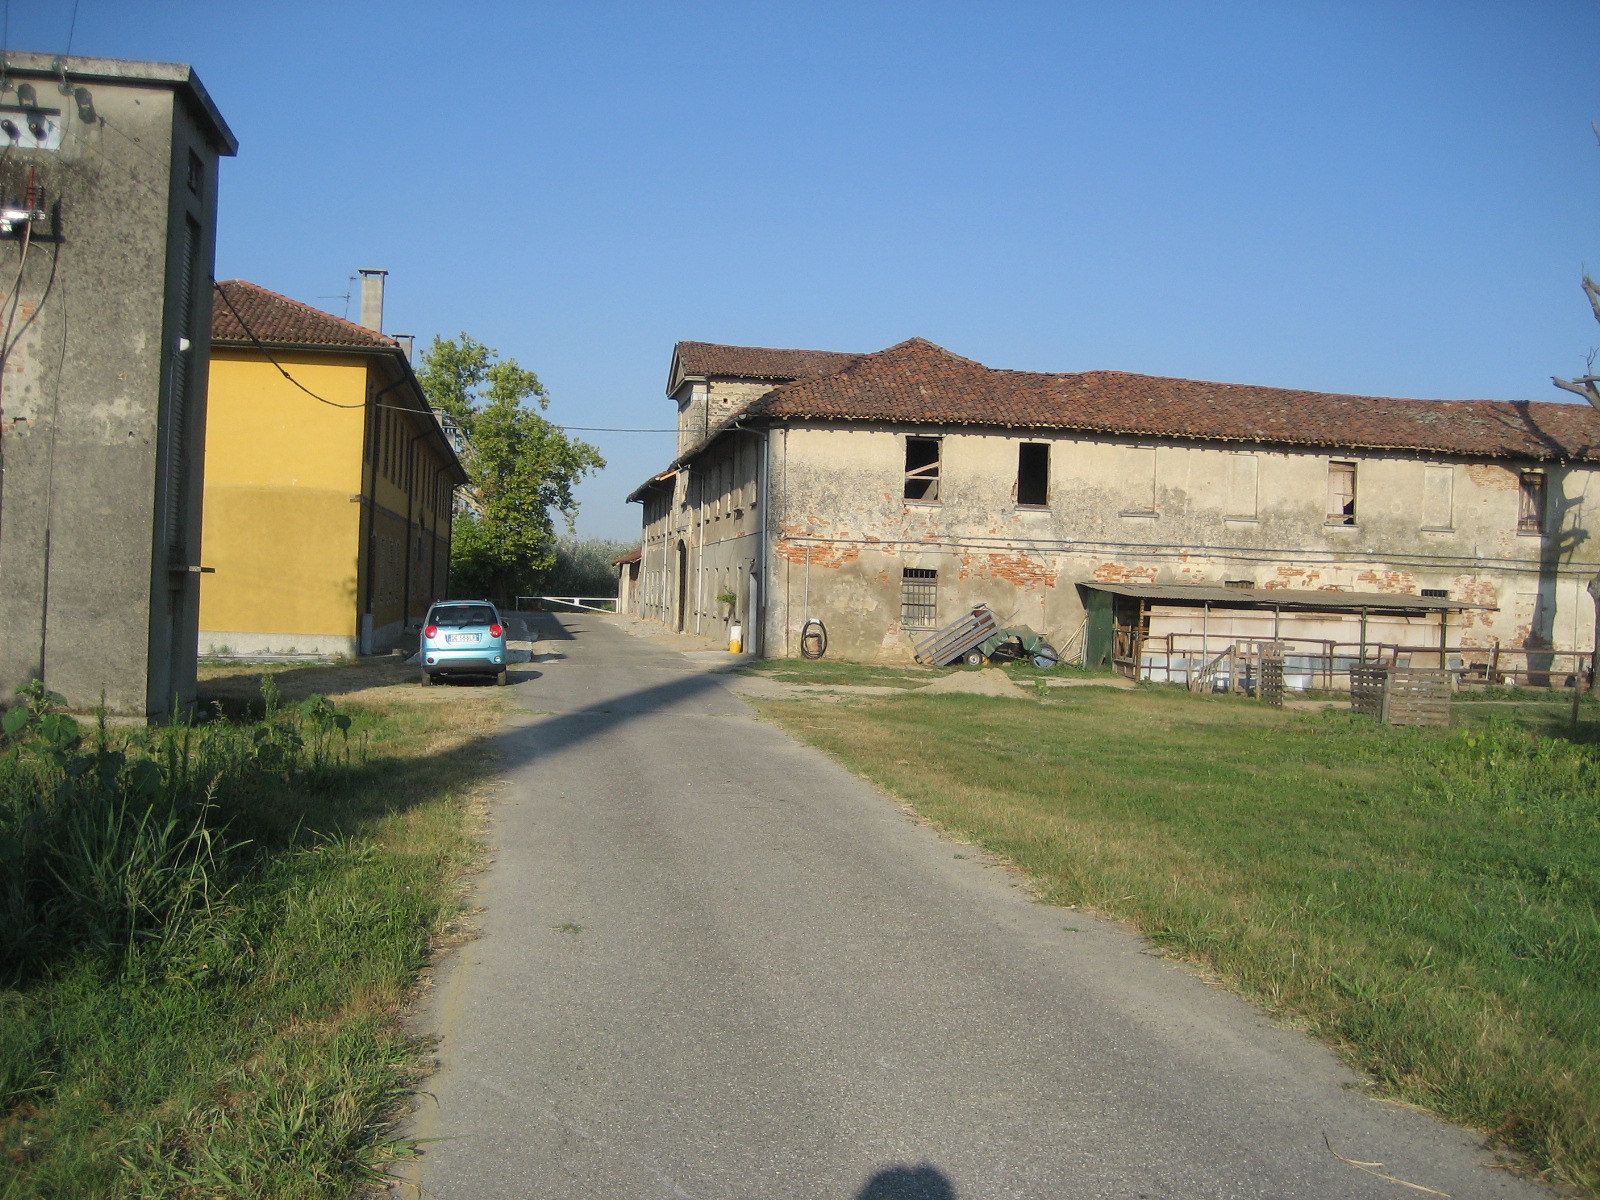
[{"x": 764, "y": 571}]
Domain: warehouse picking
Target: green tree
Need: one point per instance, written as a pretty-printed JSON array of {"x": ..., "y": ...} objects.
[{"x": 521, "y": 469}]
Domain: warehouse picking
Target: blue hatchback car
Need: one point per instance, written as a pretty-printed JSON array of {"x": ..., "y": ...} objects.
[{"x": 463, "y": 637}]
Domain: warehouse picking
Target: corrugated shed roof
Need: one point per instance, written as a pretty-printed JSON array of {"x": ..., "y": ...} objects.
[
  {"x": 917, "y": 381},
  {"x": 632, "y": 556},
  {"x": 700, "y": 359},
  {"x": 280, "y": 320},
  {"x": 1296, "y": 598}
]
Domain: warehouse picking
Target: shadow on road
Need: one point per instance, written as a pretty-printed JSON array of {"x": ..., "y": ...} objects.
[{"x": 908, "y": 1183}]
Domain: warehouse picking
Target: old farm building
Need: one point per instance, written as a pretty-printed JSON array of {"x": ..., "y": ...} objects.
[{"x": 1138, "y": 517}]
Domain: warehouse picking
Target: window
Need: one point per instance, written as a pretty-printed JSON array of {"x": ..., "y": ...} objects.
[
  {"x": 1244, "y": 473},
  {"x": 922, "y": 468},
  {"x": 1033, "y": 473},
  {"x": 1530, "y": 505},
  {"x": 1341, "y": 493},
  {"x": 1437, "y": 593},
  {"x": 1438, "y": 496},
  {"x": 1138, "y": 480},
  {"x": 919, "y": 590}
]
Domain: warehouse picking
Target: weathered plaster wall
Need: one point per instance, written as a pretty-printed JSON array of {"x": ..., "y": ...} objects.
[
  {"x": 708, "y": 517},
  {"x": 1123, "y": 511},
  {"x": 95, "y": 594},
  {"x": 705, "y": 404}
]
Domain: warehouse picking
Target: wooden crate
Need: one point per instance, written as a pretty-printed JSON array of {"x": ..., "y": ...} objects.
[
  {"x": 1417, "y": 696},
  {"x": 1366, "y": 689},
  {"x": 1401, "y": 695}
]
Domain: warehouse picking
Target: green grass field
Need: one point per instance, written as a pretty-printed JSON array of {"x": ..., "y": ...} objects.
[
  {"x": 237, "y": 1033},
  {"x": 1427, "y": 900}
]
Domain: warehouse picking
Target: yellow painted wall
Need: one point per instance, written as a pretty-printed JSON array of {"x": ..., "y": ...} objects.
[{"x": 281, "y": 528}]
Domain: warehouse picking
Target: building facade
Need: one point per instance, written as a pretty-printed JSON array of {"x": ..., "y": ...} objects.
[
  {"x": 886, "y": 494},
  {"x": 109, "y": 184},
  {"x": 329, "y": 482}
]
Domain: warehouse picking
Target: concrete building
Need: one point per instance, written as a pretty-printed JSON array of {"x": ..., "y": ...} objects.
[
  {"x": 329, "y": 481},
  {"x": 108, "y": 179},
  {"x": 885, "y": 494}
]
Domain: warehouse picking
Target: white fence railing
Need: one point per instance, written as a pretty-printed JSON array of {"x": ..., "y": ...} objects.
[{"x": 599, "y": 604}]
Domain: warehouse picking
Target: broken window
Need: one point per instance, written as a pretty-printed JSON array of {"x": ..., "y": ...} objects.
[
  {"x": 922, "y": 468},
  {"x": 1033, "y": 473},
  {"x": 1530, "y": 506},
  {"x": 1341, "y": 493},
  {"x": 919, "y": 590}
]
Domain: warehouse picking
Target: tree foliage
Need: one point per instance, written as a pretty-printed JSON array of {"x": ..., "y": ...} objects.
[
  {"x": 521, "y": 469},
  {"x": 583, "y": 567},
  {"x": 463, "y": 377}
]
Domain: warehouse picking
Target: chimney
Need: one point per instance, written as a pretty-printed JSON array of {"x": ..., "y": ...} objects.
[
  {"x": 407, "y": 341},
  {"x": 372, "y": 298}
]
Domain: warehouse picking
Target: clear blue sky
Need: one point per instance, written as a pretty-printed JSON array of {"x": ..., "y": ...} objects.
[{"x": 1391, "y": 197}]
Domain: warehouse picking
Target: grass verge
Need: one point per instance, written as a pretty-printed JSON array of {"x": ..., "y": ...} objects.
[
  {"x": 248, "y": 1043},
  {"x": 1429, "y": 901}
]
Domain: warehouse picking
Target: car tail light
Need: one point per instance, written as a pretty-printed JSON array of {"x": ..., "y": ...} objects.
[
  {"x": 495, "y": 631},
  {"x": 432, "y": 631}
]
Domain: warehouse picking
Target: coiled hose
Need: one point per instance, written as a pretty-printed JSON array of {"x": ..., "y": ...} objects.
[{"x": 813, "y": 639}]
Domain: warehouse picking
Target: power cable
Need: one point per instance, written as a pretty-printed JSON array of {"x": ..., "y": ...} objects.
[
  {"x": 72, "y": 29},
  {"x": 282, "y": 370},
  {"x": 608, "y": 429}
]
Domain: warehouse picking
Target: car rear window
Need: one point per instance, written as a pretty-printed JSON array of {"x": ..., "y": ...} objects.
[{"x": 457, "y": 615}]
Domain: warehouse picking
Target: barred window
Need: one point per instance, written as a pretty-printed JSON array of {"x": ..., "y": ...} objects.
[{"x": 919, "y": 591}]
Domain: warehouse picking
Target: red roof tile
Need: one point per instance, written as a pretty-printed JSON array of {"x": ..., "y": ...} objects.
[
  {"x": 700, "y": 359},
  {"x": 277, "y": 319},
  {"x": 917, "y": 381}
]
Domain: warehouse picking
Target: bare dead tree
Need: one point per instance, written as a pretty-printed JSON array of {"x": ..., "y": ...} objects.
[{"x": 1587, "y": 386}]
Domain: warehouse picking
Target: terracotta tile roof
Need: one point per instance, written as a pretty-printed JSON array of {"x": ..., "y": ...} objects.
[
  {"x": 917, "y": 381},
  {"x": 279, "y": 320},
  {"x": 700, "y": 359}
]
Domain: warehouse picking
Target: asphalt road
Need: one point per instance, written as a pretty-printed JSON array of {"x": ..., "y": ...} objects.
[{"x": 715, "y": 965}]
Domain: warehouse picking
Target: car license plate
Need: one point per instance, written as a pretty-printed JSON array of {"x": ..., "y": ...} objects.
[{"x": 455, "y": 638}]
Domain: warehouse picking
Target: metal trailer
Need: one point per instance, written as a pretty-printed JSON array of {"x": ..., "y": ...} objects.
[
  {"x": 955, "y": 641},
  {"x": 978, "y": 638}
]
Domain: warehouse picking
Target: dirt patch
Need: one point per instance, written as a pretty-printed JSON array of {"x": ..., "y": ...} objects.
[
  {"x": 978, "y": 683},
  {"x": 764, "y": 687}
]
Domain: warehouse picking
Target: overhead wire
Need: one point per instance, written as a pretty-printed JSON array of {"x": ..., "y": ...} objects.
[{"x": 284, "y": 371}]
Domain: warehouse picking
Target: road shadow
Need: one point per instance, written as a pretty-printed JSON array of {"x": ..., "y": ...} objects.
[{"x": 899, "y": 1182}]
